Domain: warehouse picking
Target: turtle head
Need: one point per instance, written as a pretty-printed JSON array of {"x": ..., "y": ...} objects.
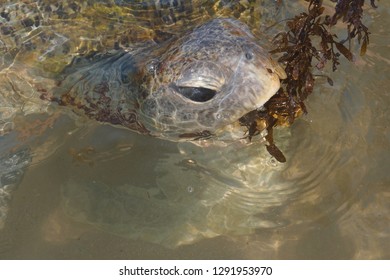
[{"x": 207, "y": 80}]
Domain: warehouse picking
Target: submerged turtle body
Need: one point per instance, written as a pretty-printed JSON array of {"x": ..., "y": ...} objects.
[{"x": 192, "y": 84}]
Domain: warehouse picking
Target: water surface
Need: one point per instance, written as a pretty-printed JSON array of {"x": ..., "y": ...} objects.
[{"x": 96, "y": 191}]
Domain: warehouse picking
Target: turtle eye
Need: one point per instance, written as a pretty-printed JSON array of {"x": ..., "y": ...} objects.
[{"x": 197, "y": 94}]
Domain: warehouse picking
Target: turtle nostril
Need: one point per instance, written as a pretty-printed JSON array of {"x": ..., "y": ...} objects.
[
  {"x": 270, "y": 71},
  {"x": 197, "y": 94},
  {"x": 248, "y": 55}
]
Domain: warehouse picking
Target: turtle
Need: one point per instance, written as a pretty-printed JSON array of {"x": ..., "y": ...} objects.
[
  {"x": 182, "y": 71},
  {"x": 183, "y": 87}
]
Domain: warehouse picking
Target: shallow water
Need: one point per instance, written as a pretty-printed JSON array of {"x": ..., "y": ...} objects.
[{"x": 96, "y": 191}]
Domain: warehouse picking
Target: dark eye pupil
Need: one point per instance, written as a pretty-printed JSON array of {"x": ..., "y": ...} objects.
[{"x": 197, "y": 94}]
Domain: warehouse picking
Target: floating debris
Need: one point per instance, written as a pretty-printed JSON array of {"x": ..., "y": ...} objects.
[{"x": 306, "y": 46}]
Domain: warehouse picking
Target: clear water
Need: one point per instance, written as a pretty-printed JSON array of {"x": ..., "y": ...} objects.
[{"x": 95, "y": 191}]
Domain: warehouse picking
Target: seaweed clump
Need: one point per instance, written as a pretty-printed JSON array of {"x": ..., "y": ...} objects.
[{"x": 307, "y": 45}]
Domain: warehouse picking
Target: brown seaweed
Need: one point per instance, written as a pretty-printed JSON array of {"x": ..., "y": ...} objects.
[{"x": 306, "y": 46}]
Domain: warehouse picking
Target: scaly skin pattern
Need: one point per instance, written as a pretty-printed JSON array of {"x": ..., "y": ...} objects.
[
  {"x": 38, "y": 39},
  {"x": 193, "y": 85}
]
